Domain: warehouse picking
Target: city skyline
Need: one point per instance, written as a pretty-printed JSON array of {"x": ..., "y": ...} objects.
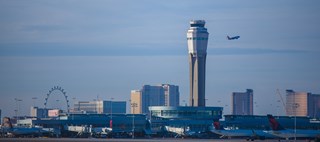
[{"x": 107, "y": 48}]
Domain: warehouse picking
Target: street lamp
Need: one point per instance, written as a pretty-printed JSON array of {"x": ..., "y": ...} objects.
[
  {"x": 57, "y": 104},
  {"x": 219, "y": 102},
  {"x": 184, "y": 102},
  {"x": 111, "y": 113},
  {"x": 111, "y": 107},
  {"x": 295, "y": 106},
  {"x": 34, "y": 101},
  {"x": 16, "y": 113},
  {"x": 18, "y": 107},
  {"x": 73, "y": 109},
  {"x": 133, "y": 105},
  {"x": 226, "y": 108}
]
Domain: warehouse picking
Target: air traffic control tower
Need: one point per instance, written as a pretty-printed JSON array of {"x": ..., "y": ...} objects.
[{"x": 197, "y": 37}]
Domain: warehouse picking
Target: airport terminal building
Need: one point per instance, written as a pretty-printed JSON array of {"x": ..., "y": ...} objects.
[
  {"x": 120, "y": 123},
  {"x": 198, "y": 119}
]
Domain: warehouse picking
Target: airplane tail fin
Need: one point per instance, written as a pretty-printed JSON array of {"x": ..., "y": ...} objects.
[
  {"x": 7, "y": 122},
  {"x": 111, "y": 124},
  {"x": 275, "y": 125},
  {"x": 228, "y": 38},
  {"x": 217, "y": 125}
]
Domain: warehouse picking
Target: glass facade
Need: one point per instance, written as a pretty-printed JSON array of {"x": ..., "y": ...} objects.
[
  {"x": 100, "y": 107},
  {"x": 314, "y": 106},
  {"x": 302, "y": 104},
  {"x": 159, "y": 95},
  {"x": 242, "y": 103},
  {"x": 196, "y": 118}
]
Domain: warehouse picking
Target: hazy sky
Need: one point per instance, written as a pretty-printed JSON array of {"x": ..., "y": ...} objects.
[{"x": 108, "y": 48}]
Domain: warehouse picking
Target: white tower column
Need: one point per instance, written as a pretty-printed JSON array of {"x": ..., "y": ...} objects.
[{"x": 197, "y": 37}]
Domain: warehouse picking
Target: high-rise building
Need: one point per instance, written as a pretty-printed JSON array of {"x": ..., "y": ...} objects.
[
  {"x": 242, "y": 103},
  {"x": 85, "y": 106},
  {"x": 171, "y": 95},
  {"x": 296, "y": 103},
  {"x": 302, "y": 104},
  {"x": 159, "y": 95},
  {"x": 100, "y": 106},
  {"x": 136, "y": 98},
  {"x": 314, "y": 106},
  {"x": 151, "y": 96},
  {"x": 39, "y": 112},
  {"x": 197, "y": 37}
]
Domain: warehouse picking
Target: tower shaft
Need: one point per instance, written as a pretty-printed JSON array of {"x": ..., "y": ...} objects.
[
  {"x": 197, "y": 45},
  {"x": 197, "y": 79}
]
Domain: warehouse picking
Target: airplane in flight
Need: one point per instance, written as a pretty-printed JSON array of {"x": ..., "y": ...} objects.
[
  {"x": 279, "y": 131},
  {"x": 243, "y": 133},
  {"x": 232, "y": 38}
]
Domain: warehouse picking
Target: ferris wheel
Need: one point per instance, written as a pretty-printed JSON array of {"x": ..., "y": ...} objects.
[{"x": 59, "y": 89}]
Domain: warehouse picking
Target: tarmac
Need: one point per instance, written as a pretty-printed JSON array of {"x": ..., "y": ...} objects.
[{"x": 131, "y": 140}]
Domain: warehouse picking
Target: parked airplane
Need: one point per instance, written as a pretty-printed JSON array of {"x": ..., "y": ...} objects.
[
  {"x": 21, "y": 131},
  {"x": 86, "y": 131},
  {"x": 279, "y": 131},
  {"x": 232, "y": 38},
  {"x": 218, "y": 129},
  {"x": 244, "y": 133},
  {"x": 180, "y": 132}
]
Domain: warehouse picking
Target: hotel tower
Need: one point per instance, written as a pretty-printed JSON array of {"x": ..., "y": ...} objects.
[{"x": 197, "y": 37}]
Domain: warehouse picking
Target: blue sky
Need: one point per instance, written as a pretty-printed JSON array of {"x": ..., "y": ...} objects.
[{"x": 107, "y": 48}]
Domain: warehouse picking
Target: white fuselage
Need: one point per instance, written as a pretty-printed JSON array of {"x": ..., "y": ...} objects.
[
  {"x": 242, "y": 133},
  {"x": 289, "y": 133},
  {"x": 233, "y": 133}
]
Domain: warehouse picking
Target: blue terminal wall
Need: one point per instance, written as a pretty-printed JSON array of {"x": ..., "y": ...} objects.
[
  {"x": 198, "y": 119},
  {"x": 261, "y": 122},
  {"x": 120, "y": 122}
]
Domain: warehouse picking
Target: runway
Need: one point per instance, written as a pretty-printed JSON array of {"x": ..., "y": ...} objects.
[{"x": 128, "y": 140}]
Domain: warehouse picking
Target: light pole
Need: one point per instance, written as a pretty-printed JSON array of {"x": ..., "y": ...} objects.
[
  {"x": 34, "y": 101},
  {"x": 57, "y": 104},
  {"x": 225, "y": 109},
  {"x": 133, "y": 105},
  {"x": 218, "y": 102},
  {"x": 295, "y": 106},
  {"x": 129, "y": 106},
  {"x": 73, "y": 110},
  {"x": 184, "y": 103},
  {"x": 111, "y": 107},
  {"x": 278, "y": 110},
  {"x": 278, "y": 107},
  {"x": 205, "y": 101},
  {"x": 95, "y": 106},
  {"x": 16, "y": 113},
  {"x": 111, "y": 112},
  {"x": 18, "y": 107}
]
